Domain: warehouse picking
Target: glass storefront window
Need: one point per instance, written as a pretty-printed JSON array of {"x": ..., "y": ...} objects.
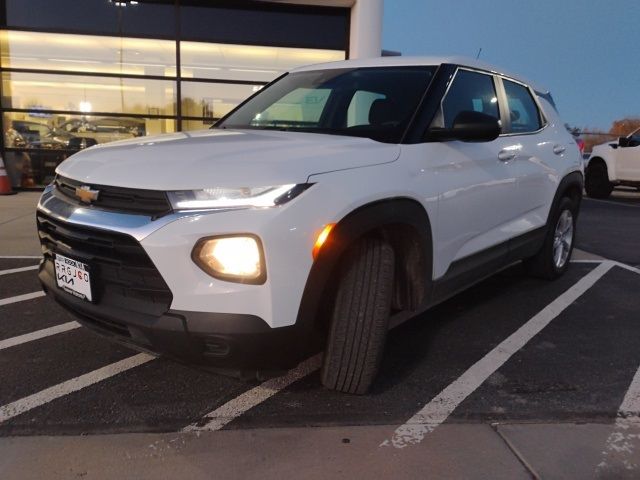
[
  {"x": 110, "y": 17},
  {"x": 88, "y": 53},
  {"x": 245, "y": 62},
  {"x": 213, "y": 100},
  {"x": 255, "y": 23},
  {"x": 38, "y": 142},
  {"x": 78, "y": 73},
  {"x": 37, "y": 91},
  {"x": 191, "y": 124}
]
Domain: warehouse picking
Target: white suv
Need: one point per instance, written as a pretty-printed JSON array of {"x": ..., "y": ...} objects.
[
  {"x": 612, "y": 164},
  {"x": 335, "y": 202}
]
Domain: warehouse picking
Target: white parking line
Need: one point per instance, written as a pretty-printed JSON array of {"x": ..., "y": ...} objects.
[
  {"x": 18, "y": 270},
  {"x": 37, "y": 335},
  {"x": 628, "y": 267},
  {"x": 623, "y": 445},
  {"x": 438, "y": 409},
  {"x": 38, "y": 257},
  {"x": 224, "y": 414},
  {"x": 21, "y": 298},
  {"x": 60, "y": 390},
  {"x": 615, "y": 263}
]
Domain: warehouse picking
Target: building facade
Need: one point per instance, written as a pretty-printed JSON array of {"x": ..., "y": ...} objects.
[{"x": 77, "y": 73}]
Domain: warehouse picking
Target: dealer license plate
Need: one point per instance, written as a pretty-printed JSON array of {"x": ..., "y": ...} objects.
[{"x": 73, "y": 277}]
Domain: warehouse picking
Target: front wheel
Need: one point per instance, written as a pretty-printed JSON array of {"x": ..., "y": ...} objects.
[
  {"x": 553, "y": 259},
  {"x": 360, "y": 317}
]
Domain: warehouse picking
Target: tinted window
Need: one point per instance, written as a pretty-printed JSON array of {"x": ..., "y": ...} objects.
[
  {"x": 282, "y": 25},
  {"x": 470, "y": 91},
  {"x": 524, "y": 113},
  {"x": 144, "y": 17},
  {"x": 369, "y": 102}
]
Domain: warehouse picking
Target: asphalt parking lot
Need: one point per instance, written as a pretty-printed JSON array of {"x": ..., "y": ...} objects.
[{"x": 509, "y": 353}]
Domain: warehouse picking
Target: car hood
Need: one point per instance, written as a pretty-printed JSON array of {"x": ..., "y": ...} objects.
[
  {"x": 222, "y": 158},
  {"x": 605, "y": 146}
]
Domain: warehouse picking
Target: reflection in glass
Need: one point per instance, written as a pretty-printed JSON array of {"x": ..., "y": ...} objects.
[
  {"x": 36, "y": 91},
  {"x": 213, "y": 100},
  {"x": 88, "y": 53},
  {"x": 189, "y": 125},
  {"x": 247, "y": 62},
  {"x": 58, "y": 131},
  {"x": 43, "y": 140}
]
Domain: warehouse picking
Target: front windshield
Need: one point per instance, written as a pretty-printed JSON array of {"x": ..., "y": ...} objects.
[{"x": 377, "y": 103}]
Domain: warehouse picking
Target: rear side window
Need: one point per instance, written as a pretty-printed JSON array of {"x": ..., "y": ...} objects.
[
  {"x": 524, "y": 113},
  {"x": 470, "y": 91}
]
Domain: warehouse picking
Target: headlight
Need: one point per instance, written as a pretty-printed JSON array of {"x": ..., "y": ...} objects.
[
  {"x": 247, "y": 197},
  {"x": 235, "y": 258}
]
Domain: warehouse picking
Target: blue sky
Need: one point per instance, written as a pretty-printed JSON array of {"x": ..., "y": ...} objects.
[{"x": 586, "y": 52}]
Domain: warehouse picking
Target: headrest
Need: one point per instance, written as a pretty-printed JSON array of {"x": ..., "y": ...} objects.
[{"x": 383, "y": 111}]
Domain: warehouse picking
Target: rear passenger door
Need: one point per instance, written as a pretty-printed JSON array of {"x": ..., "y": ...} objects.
[
  {"x": 478, "y": 201},
  {"x": 538, "y": 154}
]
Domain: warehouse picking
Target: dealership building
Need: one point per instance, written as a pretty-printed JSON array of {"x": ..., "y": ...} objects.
[{"x": 80, "y": 72}]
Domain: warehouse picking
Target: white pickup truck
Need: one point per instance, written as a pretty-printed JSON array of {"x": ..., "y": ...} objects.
[{"x": 614, "y": 164}]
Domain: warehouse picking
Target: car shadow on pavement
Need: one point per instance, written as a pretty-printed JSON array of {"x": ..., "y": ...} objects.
[{"x": 466, "y": 327}]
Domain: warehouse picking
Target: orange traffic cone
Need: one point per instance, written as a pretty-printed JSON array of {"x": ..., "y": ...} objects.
[{"x": 5, "y": 184}]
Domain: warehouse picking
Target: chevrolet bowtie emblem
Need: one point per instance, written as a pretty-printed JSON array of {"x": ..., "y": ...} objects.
[{"x": 86, "y": 195}]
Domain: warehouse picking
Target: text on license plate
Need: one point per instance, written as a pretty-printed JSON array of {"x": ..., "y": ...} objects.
[{"x": 73, "y": 277}]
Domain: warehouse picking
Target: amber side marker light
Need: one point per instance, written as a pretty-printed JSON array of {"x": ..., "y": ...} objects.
[{"x": 322, "y": 238}]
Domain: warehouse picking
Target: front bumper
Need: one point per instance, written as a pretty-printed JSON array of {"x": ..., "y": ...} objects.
[
  {"x": 150, "y": 294},
  {"x": 233, "y": 342}
]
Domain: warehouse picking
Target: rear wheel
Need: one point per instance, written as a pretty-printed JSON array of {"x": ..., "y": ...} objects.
[
  {"x": 597, "y": 182},
  {"x": 360, "y": 317},
  {"x": 553, "y": 259}
]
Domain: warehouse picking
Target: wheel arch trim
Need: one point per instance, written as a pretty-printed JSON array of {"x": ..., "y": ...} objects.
[
  {"x": 572, "y": 181},
  {"x": 363, "y": 220}
]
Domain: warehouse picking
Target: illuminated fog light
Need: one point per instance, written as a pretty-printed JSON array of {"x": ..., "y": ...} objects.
[{"x": 235, "y": 258}]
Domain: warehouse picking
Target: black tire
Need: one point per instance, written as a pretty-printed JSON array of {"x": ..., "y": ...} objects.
[
  {"x": 360, "y": 317},
  {"x": 543, "y": 264},
  {"x": 597, "y": 182}
]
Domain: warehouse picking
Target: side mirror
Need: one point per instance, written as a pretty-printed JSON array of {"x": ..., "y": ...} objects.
[
  {"x": 623, "y": 142},
  {"x": 468, "y": 126}
]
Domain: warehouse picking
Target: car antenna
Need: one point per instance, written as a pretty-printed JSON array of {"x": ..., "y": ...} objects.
[{"x": 479, "y": 52}]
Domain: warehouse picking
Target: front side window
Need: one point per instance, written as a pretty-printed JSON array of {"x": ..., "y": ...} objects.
[
  {"x": 524, "y": 113},
  {"x": 377, "y": 103},
  {"x": 470, "y": 91}
]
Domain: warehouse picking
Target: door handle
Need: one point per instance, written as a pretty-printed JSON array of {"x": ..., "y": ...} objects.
[
  {"x": 559, "y": 149},
  {"x": 506, "y": 155}
]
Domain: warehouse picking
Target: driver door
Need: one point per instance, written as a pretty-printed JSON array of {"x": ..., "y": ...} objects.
[{"x": 479, "y": 205}]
